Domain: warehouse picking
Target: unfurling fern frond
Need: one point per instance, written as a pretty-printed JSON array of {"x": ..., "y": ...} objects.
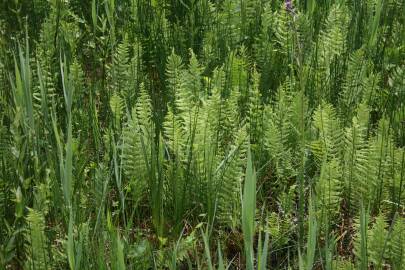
[{"x": 37, "y": 253}]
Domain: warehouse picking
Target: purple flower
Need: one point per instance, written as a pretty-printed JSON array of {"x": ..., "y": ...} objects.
[{"x": 288, "y": 5}]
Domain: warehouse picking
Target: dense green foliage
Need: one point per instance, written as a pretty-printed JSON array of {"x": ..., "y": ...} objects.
[{"x": 202, "y": 134}]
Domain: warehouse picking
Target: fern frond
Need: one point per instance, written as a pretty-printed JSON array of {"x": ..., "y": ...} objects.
[
  {"x": 135, "y": 73},
  {"x": 281, "y": 133},
  {"x": 353, "y": 86},
  {"x": 119, "y": 70},
  {"x": 279, "y": 229},
  {"x": 174, "y": 73},
  {"x": 193, "y": 78},
  {"x": 255, "y": 114},
  {"x": 396, "y": 252},
  {"x": 237, "y": 70},
  {"x": 372, "y": 95},
  {"x": 174, "y": 134},
  {"x": 281, "y": 154},
  {"x": 333, "y": 37},
  {"x": 379, "y": 173},
  {"x": 143, "y": 108},
  {"x": 377, "y": 242},
  {"x": 329, "y": 143},
  {"x": 37, "y": 253},
  {"x": 229, "y": 180},
  {"x": 78, "y": 78},
  {"x": 328, "y": 190},
  {"x": 281, "y": 26},
  {"x": 138, "y": 137},
  {"x": 117, "y": 106},
  {"x": 355, "y": 163},
  {"x": 330, "y": 47},
  {"x": 45, "y": 96}
]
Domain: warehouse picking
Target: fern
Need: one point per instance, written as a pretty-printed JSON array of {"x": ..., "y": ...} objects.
[
  {"x": 193, "y": 78},
  {"x": 45, "y": 96},
  {"x": 372, "y": 93},
  {"x": 382, "y": 246},
  {"x": 396, "y": 252},
  {"x": 353, "y": 88},
  {"x": 355, "y": 164},
  {"x": 117, "y": 107},
  {"x": 379, "y": 156},
  {"x": 137, "y": 141},
  {"x": 329, "y": 143},
  {"x": 283, "y": 34},
  {"x": 168, "y": 98},
  {"x": 175, "y": 135},
  {"x": 78, "y": 78},
  {"x": 328, "y": 190},
  {"x": 279, "y": 229},
  {"x": 38, "y": 257},
  {"x": 331, "y": 46},
  {"x": 255, "y": 115},
  {"x": 230, "y": 179},
  {"x": 174, "y": 73},
  {"x": 280, "y": 133},
  {"x": 332, "y": 39},
  {"x": 119, "y": 73},
  {"x": 263, "y": 46},
  {"x": 377, "y": 243},
  {"x": 135, "y": 73},
  {"x": 221, "y": 118},
  {"x": 237, "y": 71}
]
